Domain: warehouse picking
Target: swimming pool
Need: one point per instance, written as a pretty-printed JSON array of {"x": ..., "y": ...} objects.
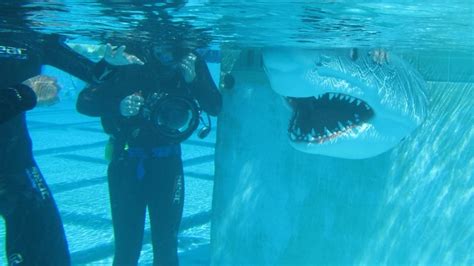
[{"x": 273, "y": 205}]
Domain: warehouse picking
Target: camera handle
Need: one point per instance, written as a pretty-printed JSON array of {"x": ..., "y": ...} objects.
[{"x": 206, "y": 129}]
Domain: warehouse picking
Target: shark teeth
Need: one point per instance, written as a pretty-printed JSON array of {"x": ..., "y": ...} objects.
[
  {"x": 326, "y": 130},
  {"x": 341, "y": 126},
  {"x": 357, "y": 117},
  {"x": 347, "y": 128},
  {"x": 312, "y": 124},
  {"x": 343, "y": 97},
  {"x": 293, "y": 136}
]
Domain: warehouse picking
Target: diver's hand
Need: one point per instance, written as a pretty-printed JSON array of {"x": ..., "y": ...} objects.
[
  {"x": 130, "y": 105},
  {"x": 188, "y": 67},
  {"x": 379, "y": 56},
  {"x": 118, "y": 57},
  {"x": 46, "y": 89}
]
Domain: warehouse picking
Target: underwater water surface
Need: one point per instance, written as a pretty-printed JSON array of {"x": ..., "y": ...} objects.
[{"x": 413, "y": 205}]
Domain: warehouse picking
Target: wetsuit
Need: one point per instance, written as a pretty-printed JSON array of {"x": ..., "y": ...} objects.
[
  {"x": 34, "y": 231},
  {"x": 146, "y": 169}
]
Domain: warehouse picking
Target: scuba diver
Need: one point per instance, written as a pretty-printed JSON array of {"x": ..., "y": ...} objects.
[
  {"x": 34, "y": 231},
  {"x": 148, "y": 111}
]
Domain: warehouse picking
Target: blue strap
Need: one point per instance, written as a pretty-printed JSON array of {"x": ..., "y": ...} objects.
[{"x": 158, "y": 152}]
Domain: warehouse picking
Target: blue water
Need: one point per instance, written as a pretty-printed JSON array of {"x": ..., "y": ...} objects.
[
  {"x": 432, "y": 196},
  {"x": 407, "y": 25}
]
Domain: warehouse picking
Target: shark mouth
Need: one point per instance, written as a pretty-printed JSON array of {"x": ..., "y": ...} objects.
[
  {"x": 325, "y": 117},
  {"x": 345, "y": 106}
]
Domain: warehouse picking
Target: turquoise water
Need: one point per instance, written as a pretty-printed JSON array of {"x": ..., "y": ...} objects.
[
  {"x": 420, "y": 25},
  {"x": 411, "y": 206}
]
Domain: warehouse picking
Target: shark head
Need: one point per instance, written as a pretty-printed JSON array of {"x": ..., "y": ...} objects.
[{"x": 343, "y": 104}]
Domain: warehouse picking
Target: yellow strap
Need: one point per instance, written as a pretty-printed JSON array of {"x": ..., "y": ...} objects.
[{"x": 110, "y": 149}]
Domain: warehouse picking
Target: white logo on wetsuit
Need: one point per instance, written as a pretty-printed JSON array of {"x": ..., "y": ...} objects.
[
  {"x": 15, "y": 259},
  {"x": 13, "y": 52},
  {"x": 38, "y": 182},
  {"x": 178, "y": 189}
]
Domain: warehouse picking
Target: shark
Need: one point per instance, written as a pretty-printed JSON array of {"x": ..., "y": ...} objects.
[{"x": 346, "y": 103}]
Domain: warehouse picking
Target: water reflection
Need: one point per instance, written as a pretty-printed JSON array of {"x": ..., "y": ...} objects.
[{"x": 424, "y": 24}]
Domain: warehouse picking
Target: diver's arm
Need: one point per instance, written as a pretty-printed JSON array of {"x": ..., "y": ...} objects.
[
  {"x": 97, "y": 101},
  {"x": 14, "y": 100},
  {"x": 205, "y": 90},
  {"x": 105, "y": 99},
  {"x": 89, "y": 101},
  {"x": 60, "y": 55}
]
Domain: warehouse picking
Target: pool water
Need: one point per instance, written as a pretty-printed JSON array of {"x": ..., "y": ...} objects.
[{"x": 424, "y": 204}]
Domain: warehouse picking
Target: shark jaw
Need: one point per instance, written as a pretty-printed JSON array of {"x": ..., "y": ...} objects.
[
  {"x": 340, "y": 125},
  {"x": 344, "y": 108},
  {"x": 326, "y": 117}
]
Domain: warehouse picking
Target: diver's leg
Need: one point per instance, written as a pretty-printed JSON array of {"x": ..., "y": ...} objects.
[
  {"x": 16, "y": 191},
  {"x": 128, "y": 210},
  {"x": 165, "y": 200},
  {"x": 34, "y": 230}
]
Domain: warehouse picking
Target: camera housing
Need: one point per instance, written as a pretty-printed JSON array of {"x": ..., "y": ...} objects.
[{"x": 171, "y": 116}]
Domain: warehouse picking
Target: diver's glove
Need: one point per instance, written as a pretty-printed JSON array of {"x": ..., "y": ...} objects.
[
  {"x": 118, "y": 57},
  {"x": 113, "y": 57},
  {"x": 46, "y": 89},
  {"x": 130, "y": 105},
  {"x": 188, "y": 67}
]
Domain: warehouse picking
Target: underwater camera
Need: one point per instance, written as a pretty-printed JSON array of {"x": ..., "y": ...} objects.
[{"x": 174, "y": 117}]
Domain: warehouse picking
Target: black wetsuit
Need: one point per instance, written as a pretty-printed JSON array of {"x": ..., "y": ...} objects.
[
  {"x": 146, "y": 170},
  {"x": 34, "y": 231}
]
